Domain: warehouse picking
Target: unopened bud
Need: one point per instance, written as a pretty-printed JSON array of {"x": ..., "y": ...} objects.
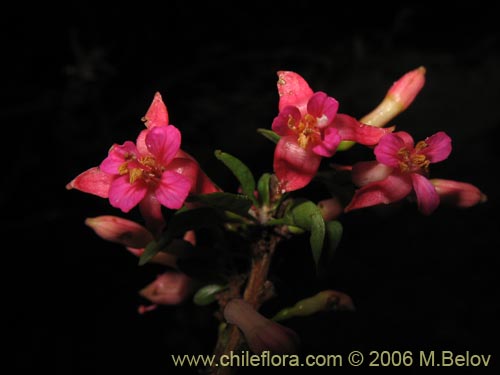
[
  {"x": 459, "y": 194},
  {"x": 169, "y": 288},
  {"x": 122, "y": 231},
  {"x": 261, "y": 334},
  {"x": 399, "y": 97}
]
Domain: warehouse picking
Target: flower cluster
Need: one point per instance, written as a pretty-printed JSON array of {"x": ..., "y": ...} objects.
[{"x": 157, "y": 176}]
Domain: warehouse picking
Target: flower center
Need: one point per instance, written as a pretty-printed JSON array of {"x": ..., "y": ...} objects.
[
  {"x": 413, "y": 161},
  {"x": 306, "y": 129},
  {"x": 145, "y": 168}
]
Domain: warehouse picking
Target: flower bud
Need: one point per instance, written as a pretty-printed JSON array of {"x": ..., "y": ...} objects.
[
  {"x": 169, "y": 288},
  {"x": 459, "y": 194},
  {"x": 399, "y": 97},
  {"x": 330, "y": 208},
  {"x": 260, "y": 333},
  {"x": 122, "y": 231}
]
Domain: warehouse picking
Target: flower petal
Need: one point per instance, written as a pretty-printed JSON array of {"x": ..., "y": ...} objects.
[
  {"x": 163, "y": 142},
  {"x": 387, "y": 150},
  {"x": 173, "y": 189},
  {"x": 329, "y": 144},
  {"x": 391, "y": 189},
  {"x": 438, "y": 147},
  {"x": 293, "y": 90},
  {"x": 288, "y": 116},
  {"x": 118, "y": 154},
  {"x": 323, "y": 107},
  {"x": 293, "y": 165},
  {"x": 141, "y": 143},
  {"x": 92, "y": 181},
  {"x": 365, "y": 172},
  {"x": 204, "y": 185},
  {"x": 351, "y": 129},
  {"x": 119, "y": 230},
  {"x": 157, "y": 114},
  {"x": 427, "y": 196},
  {"x": 124, "y": 195}
]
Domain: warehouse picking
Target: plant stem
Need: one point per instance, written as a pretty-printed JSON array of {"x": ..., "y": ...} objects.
[{"x": 230, "y": 339}]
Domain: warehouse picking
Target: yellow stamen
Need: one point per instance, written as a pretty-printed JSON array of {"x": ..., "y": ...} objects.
[
  {"x": 123, "y": 169},
  {"x": 135, "y": 173}
]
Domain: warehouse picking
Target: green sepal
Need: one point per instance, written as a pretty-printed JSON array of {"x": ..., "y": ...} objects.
[
  {"x": 307, "y": 215},
  {"x": 334, "y": 231}
]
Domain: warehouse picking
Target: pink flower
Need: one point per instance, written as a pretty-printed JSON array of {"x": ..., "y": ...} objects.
[
  {"x": 147, "y": 171},
  {"x": 169, "y": 288},
  {"x": 310, "y": 129},
  {"x": 151, "y": 172},
  {"x": 401, "y": 168}
]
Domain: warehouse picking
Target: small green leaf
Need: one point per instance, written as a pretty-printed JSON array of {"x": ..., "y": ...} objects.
[
  {"x": 237, "y": 203},
  {"x": 334, "y": 232},
  {"x": 308, "y": 216},
  {"x": 206, "y": 294},
  {"x": 150, "y": 251},
  {"x": 263, "y": 188},
  {"x": 269, "y": 134},
  {"x": 241, "y": 172}
]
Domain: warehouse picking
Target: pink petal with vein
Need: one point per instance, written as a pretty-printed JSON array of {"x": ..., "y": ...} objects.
[
  {"x": 173, "y": 189},
  {"x": 124, "y": 195},
  {"x": 323, "y": 107},
  {"x": 329, "y": 144},
  {"x": 92, "y": 181},
  {"x": 351, "y": 129},
  {"x": 293, "y": 90},
  {"x": 391, "y": 189},
  {"x": 280, "y": 122},
  {"x": 438, "y": 147},
  {"x": 427, "y": 197},
  {"x": 117, "y": 156},
  {"x": 157, "y": 114},
  {"x": 387, "y": 150},
  {"x": 293, "y": 165},
  {"x": 163, "y": 142}
]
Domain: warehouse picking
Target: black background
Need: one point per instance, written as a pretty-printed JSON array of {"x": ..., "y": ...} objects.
[{"x": 77, "y": 79}]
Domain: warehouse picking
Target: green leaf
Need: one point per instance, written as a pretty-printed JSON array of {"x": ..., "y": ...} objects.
[
  {"x": 206, "y": 294},
  {"x": 308, "y": 216},
  {"x": 150, "y": 251},
  {"x": 269, "y": 134},
  {"x": 179, "y": 224},
  {"x": 237, "y": 203},
  {"x": 263, "y": 188},
  {"x": 241, "y": 172},
  {"x": 334, "y": 232}
]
